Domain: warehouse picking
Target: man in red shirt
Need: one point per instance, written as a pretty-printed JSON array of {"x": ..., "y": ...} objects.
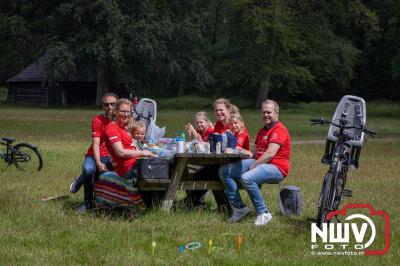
[
  {"x": 97, "y": 159},
  {"x": 270, "y": 165}
]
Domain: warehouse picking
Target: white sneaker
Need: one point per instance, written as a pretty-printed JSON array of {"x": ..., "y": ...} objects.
[
  {"x": 238, "y": 213},
  {"x": 263, "y": 219},
  {"x": 76, "y": 185}
]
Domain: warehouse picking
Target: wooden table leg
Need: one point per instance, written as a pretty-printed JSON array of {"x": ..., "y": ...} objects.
[{"x": 173, "y": 186}]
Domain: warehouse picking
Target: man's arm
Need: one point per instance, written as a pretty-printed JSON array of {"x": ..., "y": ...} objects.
[
  {"x": 125, "y": 153},
  {"x": 267, "y": 156}
]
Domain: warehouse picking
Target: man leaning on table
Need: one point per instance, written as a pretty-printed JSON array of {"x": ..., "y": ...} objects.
[{"x": 270, "y": 164}]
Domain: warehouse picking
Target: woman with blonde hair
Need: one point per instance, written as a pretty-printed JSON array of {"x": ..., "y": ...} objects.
[
  {"x": 223, "y": 109},
  {"x": 120, "y": 190}
]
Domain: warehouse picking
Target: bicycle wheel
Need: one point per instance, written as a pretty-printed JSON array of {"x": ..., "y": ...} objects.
[
  {"x": 26, "y": 158},
  {"x": 325, "y": 200}
]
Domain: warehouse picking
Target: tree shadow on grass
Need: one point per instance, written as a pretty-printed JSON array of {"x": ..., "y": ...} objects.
[
  {"x": 301, "y": 225},
  {"x": 116, "y": 213},
  {"x": 122, "y": 213}
]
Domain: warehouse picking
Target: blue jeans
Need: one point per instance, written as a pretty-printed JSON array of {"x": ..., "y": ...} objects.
[
  {"x": 89, "y": 172},
  {"x": 251, "y": 180}
]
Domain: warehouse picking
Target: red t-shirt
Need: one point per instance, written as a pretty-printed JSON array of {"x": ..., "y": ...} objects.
[
  {"x": 220, "y": 128},
  {"x": 279, "y": 134},
  {"x": 98, "y": 125},
  {"x": 243, "y": 139},
  {"x": 115, "y": 133},
  {"x": 206, "y": 133}
]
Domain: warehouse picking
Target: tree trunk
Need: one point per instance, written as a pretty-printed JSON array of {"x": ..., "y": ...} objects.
[
  {"x": 102, "y": 85},
  {"x": 263, "y": 91},
  {"x": 265, "y": 82}
]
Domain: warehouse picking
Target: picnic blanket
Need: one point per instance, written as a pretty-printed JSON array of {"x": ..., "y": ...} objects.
[{"x": 112, "y": 191}]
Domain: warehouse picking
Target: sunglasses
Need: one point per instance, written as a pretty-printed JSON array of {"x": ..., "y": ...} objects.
[{"x": 109, "y": 104}]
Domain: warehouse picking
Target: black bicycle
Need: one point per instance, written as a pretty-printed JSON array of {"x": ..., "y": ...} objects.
[
  {"x": 24, "y": 156},
  {"x": 340, "y": 159}
]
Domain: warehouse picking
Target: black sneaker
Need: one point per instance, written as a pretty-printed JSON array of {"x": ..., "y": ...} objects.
[
  {"x": 76, "y": 185},
  {"x": 86, "y": 206}
]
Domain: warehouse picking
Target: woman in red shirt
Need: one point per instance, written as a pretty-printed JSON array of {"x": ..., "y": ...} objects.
[
  {"x": 223, "y": 110},
  {"x": 113, "y": 190},
  {"x": 119, "y": 140}
]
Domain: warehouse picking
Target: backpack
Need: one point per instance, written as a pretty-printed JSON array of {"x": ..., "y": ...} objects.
[{"x": 290, "y": 200}]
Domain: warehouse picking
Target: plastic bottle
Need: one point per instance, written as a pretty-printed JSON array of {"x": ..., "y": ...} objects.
[
  {"x": 180, "y": 146},
  {"x": 224, "y": 143},
  {"x": 218, "y": 148},
  {"x": 180, "y": 142}
]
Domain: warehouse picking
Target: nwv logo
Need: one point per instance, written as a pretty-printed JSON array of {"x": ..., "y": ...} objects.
[
  {"x": 357, "y": 227},
  {"x": 340, "y": 232}
]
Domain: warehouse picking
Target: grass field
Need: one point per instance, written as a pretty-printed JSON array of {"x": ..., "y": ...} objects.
[{"x": 51, "y": 233}]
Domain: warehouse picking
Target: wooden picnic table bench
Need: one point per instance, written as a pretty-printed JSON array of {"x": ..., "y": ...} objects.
[{"x": 181, "y": 178}]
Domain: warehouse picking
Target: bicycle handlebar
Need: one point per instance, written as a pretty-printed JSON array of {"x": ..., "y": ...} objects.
[{"x": 321, "y": 121}]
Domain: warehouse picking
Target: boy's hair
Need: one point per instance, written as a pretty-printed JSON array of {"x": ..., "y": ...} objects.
[
  {"x": 232, "y": 109},
  {"x": 203, "y": 115},
  {"x": 236, "y": 116},
  {"x": 138, "y": 124}
]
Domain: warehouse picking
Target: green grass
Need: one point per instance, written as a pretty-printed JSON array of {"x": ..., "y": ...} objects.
[{"x": 51, "y": 233}]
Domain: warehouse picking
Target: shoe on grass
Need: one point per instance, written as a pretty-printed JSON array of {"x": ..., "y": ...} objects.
[
  {"x": 86, "y": 206},
  {"x": 263, "y": 219},
  {"x": 238, "y": 213},
  {"x": 76, "y": 185}
]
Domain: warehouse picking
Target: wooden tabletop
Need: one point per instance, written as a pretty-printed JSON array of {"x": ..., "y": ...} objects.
[
  {"x": 210, "y": 158},
  {"x": 211, "y": 155}
]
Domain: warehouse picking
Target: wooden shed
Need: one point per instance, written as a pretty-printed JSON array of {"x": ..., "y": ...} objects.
[{"x": 28, "y": 87}]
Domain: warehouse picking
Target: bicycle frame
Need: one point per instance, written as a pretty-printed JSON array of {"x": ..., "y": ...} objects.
[
  {"x": 6, "y": 156},
  {"x": 339, "y": 168}
]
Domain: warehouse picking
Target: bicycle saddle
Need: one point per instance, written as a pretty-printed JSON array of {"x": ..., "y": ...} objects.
[{"x": 8, "y": 140}]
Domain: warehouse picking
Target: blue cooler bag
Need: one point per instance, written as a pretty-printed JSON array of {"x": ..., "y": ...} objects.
[
  {"x": 228, "y": 140},
  {"x": 290, "y": 200}
]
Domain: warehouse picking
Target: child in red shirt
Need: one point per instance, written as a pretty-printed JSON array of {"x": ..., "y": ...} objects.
[
  {"x": 203, "y": 129},
  {"x": 241, "y": 133}
]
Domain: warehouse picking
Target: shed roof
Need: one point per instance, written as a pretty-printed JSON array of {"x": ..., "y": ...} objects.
[{"x": 35, "y": 72}]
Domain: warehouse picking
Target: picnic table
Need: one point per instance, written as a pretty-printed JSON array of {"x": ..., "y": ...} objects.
[{"x": 181, "y": 178}]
